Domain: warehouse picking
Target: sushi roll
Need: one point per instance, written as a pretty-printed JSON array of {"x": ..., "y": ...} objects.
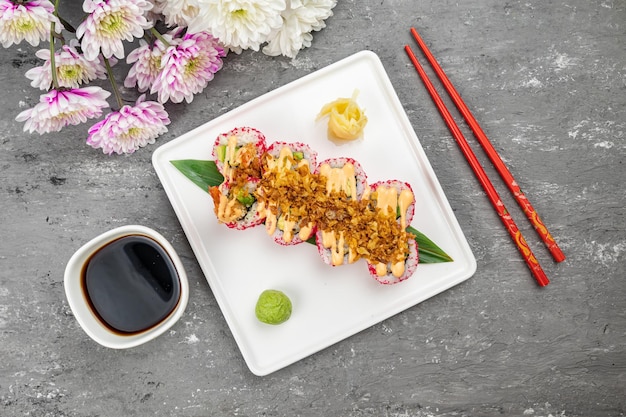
[
  {"x": 236, "y": 205},
  {"x": 287, "y": 172},
  {"x": 346, "y": 181},
  {"x": 283, "y": 186},
  {"x": 396, "y": 257},
  {"x": 237, "y": 153},
  {"x": 285, "y": 222},
  {"x": 290, "y": 231},
  {"x": 289, "y": 155},
  {"x": 334, "y": 249},
  {"x": 395, "y": 198},
  {"x": 343, "y": 176},
  {"x": 393, "y": 272}
]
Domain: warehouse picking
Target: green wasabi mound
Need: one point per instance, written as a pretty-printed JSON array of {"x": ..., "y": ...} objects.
[{"x": 273, "y": 307}]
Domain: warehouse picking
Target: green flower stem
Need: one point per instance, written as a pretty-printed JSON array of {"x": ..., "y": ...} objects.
[
  {"x": 53, "y": 66},
  {"x": 159, "y": 37},
  {"x": 116, "y": 91}
]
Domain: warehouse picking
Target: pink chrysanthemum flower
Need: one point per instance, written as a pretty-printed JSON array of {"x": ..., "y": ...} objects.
[
  {"x": 130, "y": 128},
  {"x": 28, "y": 21},
  {"x": 239, "y": 24},
  {"x": 146, "y": 60},
  {"x": 72, "y": 68},
  {"x": 187, "y": 67},
  {"x": 57, "y": 109},
  {"x": 109, "y": 23}
]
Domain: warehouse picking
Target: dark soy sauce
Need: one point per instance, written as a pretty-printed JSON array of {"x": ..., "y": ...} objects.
[{"x": 131, "y": 284}]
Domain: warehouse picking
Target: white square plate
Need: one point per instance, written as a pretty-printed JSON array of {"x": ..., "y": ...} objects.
[{"x": 329, "y": 304}]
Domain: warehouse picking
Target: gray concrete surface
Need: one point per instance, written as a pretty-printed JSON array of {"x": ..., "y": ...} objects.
[{"x": 547, "y": 81}]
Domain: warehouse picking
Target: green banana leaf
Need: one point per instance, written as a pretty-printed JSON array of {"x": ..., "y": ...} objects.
[{"x": 205, "y": 174}]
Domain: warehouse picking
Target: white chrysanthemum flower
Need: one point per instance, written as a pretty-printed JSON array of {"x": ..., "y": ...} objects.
[
  {"x": 177, "y": 13},
  {"x": 59, "y": 108},
  {"x": 72, "y": 68},
  {"x": 239, "y": 24},
  {"x": 109, "y": 23},
  {"x": 130, "y": 128},
  {"x": 299, "y": 20},
  {"x": 316, "y": 12},
  {"x": 29, "y": 21}
]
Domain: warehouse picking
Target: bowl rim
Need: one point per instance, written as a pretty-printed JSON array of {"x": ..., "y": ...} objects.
[{"x": 83, "y": 313}]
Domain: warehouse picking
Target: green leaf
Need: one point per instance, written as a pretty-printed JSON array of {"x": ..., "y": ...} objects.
[
  {"x": 429, "y": 252},
  {"x": 205, "y": 174},
  {"x": 67, "y": 25},
  {"x": 202, "y": 173}
]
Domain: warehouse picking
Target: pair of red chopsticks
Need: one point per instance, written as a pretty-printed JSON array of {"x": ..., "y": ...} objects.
[{"x": 495, "y": 199}]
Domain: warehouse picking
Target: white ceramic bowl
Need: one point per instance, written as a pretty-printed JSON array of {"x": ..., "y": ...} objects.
[{"x": 79, "y": 304}]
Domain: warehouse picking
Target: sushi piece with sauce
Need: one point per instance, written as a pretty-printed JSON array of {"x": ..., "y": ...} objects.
[
  {"x": 398, "y": 270},
  {"x": 237, "y": 153},
  {"x": 346, "y": 182},
  {"x": 345, "y": 177},
  {"x": 289, "y": 155},
  {"x": 284, "y": 190},
  {"x": 394, "y": 199},
  {"x": 236, "y": 205}
]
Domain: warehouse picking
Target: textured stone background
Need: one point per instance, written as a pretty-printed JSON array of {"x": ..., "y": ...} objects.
[{"x": 547, "y": 81}]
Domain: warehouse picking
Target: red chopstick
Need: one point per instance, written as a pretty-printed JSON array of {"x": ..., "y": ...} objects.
[
  {"x": 493, "y": 155},
  {"x": 495, "y": 199}
]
